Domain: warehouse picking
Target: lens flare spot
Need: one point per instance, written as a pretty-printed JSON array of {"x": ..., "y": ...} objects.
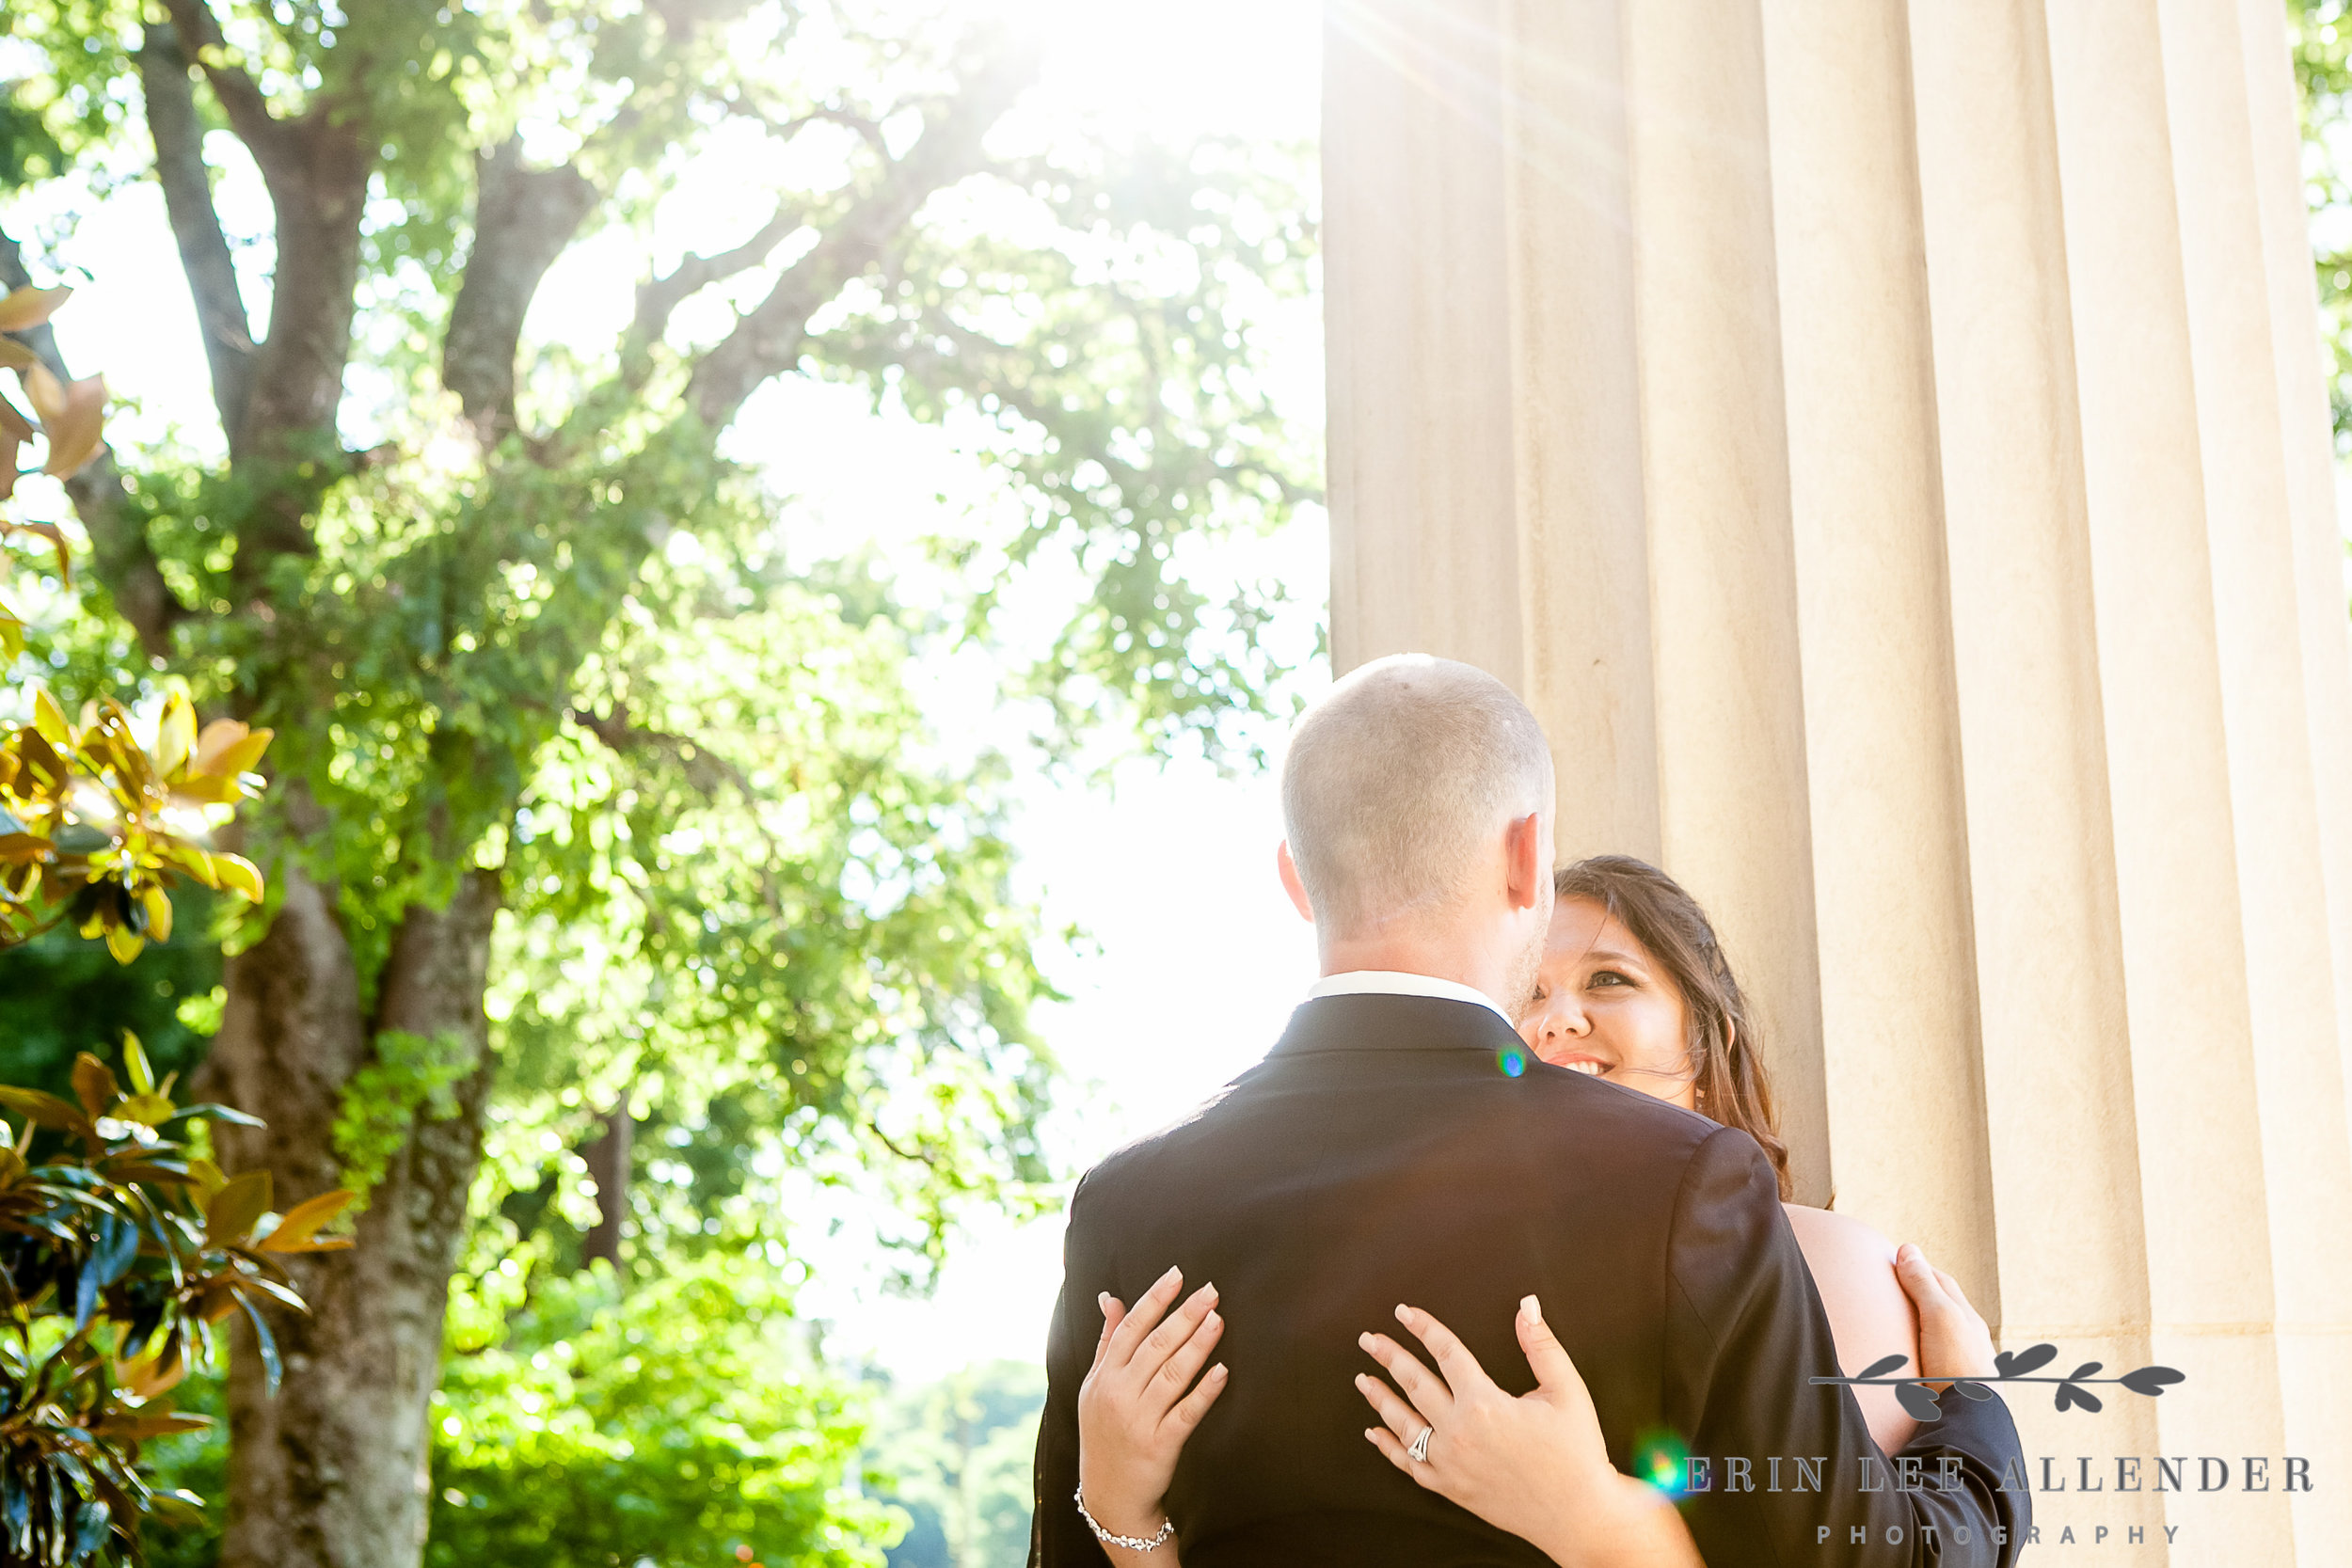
[
  {"x": 1658, "y": 1459},
  {"x": 1513, "y": 1063}
]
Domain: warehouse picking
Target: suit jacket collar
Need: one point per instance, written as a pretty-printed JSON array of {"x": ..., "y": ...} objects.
[{"x": 1378, "y": 1021}]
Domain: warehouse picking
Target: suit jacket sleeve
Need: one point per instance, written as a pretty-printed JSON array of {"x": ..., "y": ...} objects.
[
  {"x": 1058, "y": 1537},
  {"x": 1745, "y": 1336}
]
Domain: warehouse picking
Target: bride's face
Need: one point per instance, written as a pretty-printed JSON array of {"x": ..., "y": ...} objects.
[{"x": 1603, "y": 1005}]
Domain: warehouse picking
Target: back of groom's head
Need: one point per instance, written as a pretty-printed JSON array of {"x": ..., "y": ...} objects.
[{"x": 1399, "y": 784}]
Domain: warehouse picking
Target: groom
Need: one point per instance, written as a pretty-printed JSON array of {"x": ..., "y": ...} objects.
[{"x": 1399, "y": 1145}]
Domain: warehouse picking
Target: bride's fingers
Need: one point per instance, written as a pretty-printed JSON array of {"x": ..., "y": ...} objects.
[
  {"x": 1196, "y": 1404},
  {"x": 1427, "y": 1392},
  {"x": 1554, "y": 1368},
  {"x": 1402, "y": 1419},
  {"x": 1172, "y": 1336},
  {"x": 1384, "y": 1440},
  {"x": 1176, "y": 1374},
  {"x": 1143, "y": 1317},
  {"x": 1113, "y": 1311},
  {"x": 1460, "y": 1369}
]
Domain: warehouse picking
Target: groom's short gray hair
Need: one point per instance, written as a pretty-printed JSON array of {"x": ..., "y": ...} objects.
[{"x": 1399, "y": 780}]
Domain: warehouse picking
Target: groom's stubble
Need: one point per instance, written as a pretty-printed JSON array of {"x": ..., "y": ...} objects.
[{"x": 1520, "y": 992}]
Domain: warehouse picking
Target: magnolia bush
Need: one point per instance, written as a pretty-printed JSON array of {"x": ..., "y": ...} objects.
[{"x": 122, "y": 1244}]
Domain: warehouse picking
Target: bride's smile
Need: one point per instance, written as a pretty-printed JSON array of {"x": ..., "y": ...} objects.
[{"x": 1602, "y": 1007}]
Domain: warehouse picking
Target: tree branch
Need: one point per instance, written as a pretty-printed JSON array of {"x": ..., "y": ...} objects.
[
  {"x": 212, "y": 274},
  {"x": 523, "y": 219},
  {"x": 240, "y": 95},
  {"x": 123, "y": 562},
  {"x": 659, "y": 296},
  {"x": 768, "y": 341}
]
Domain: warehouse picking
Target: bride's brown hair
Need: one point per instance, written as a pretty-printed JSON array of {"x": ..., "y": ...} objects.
[{"x": 1729, "y": 1070}]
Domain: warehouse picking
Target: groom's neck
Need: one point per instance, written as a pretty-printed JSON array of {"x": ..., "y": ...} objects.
[{"x": 1443, "y": 955}]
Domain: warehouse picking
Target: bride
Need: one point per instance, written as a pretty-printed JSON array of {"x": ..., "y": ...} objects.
[{"x": 1633, "y": 989}]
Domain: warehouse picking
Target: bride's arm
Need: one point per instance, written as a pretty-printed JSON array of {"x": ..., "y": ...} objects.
[
  {"x": 1138, "y": 1405},
  {"x": 1535, "y": 1465},
  {"x": 1869, "y": 1316}
]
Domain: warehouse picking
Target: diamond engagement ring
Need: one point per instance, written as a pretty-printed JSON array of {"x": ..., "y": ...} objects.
[{"x": 1419, "y": 1452}]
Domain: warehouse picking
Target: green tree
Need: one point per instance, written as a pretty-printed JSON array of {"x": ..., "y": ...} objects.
[
  {"x": 559, "y": 740},
  {"x": 955, "y": 1455}
]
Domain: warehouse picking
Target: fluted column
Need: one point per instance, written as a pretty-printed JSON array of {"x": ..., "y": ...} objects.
[{"x": 1885, "y": 444}]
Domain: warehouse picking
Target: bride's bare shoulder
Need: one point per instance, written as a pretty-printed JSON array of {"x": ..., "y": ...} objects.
[{"x": 1840, "y": 1241}]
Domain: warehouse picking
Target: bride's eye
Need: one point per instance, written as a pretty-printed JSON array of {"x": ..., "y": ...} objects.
[{"x": 1609, "y": 977}]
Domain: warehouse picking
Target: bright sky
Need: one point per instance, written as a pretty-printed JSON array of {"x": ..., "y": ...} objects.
[{"x": 1194, "y": 957}]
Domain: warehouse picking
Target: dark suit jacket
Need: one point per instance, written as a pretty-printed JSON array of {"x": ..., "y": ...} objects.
[{"x": 1386, "y": 1151}]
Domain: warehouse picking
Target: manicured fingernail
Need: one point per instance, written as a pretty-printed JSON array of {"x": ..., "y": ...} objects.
[
  {"x": 1533, "y": 1309},
  {"x": 1208, "y": 1293},
  {"x": 1370, "y": 1438},
  {"x": 1104, "y": 1301},
  {"x": 1217, "y": 1370},
  {"x": 1171, "y": 1273},
  {"x": 1364, "y": 1339},
  {"x": 1212, "y": 1318},
  {"x": 1400, "y": 1311}
]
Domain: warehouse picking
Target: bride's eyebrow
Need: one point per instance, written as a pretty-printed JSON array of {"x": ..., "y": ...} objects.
[{"x": 1610, "y": 956}]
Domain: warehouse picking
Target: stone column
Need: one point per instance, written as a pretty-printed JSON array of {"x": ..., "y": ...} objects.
[{"x": 1886, "y": 443}]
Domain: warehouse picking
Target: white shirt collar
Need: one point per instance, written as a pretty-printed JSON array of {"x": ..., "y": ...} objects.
[{"x": 1396, "y": 982}]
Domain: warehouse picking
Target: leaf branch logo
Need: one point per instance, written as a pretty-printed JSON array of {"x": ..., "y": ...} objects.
[{"x": 1920, "y": 1399}]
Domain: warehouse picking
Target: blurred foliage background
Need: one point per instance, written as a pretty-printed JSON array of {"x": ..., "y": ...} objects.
[{"x": 637, "y": 886}]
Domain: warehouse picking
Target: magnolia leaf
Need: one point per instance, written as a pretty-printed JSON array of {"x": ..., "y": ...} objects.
[
  {"x": 246, "y": 756},
  {"x": 50, "y": 532},
  {"x": 29, "y": 306},
  {"x": 236, "y": 874},
  {"x": 301, "y": 1222},
  {"x": 155, "y": 1374},
  {"x": 78, "y": 430},
  {"x": 134, "y": 1063},
  {"x": 175, "y": 734},
  {"x": 94, "y": 1085},
  {"x": 210, "y": 789},
  {"x": 43, "y": 391},
  {"x": 229, "y": 1213},
  {"x": 207, "y": 1178},
  {"x": 157, "y": 903},
  {"x": 148, "y": 1110},
  {"x": 49, "y": 721},
  {"x": 218, "y": 737},
  {"x": 264, "y": 1341},
  {"x": 141, "y": 1426},
  {"x": 47, "y": 1109}
]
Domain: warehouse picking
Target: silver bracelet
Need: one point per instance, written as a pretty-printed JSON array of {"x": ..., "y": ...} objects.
[{"x": 1131, "y": 1543}]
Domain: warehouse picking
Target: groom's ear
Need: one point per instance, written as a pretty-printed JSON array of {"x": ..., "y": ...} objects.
[
  {"x": 1291, "y": 884},
  {"x": 1527, "y": 862}
]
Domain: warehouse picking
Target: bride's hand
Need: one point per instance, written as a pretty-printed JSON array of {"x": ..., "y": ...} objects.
[
  {"x": 1133, "y": 1411},
  {"x": 1536, "y": 1465},
  {"x": 1953, "y": 1340}
]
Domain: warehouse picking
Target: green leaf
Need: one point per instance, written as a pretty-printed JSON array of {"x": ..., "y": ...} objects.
[{"x": 229, "y": 1213}]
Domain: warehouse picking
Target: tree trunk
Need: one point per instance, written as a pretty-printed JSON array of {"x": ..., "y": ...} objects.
[
  {"x": 331, "y": 1471},
  {"x": 606, "y": 1156}
]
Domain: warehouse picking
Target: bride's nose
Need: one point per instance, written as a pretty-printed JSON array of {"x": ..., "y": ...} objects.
[{"x": 1562, "y": 1019}]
